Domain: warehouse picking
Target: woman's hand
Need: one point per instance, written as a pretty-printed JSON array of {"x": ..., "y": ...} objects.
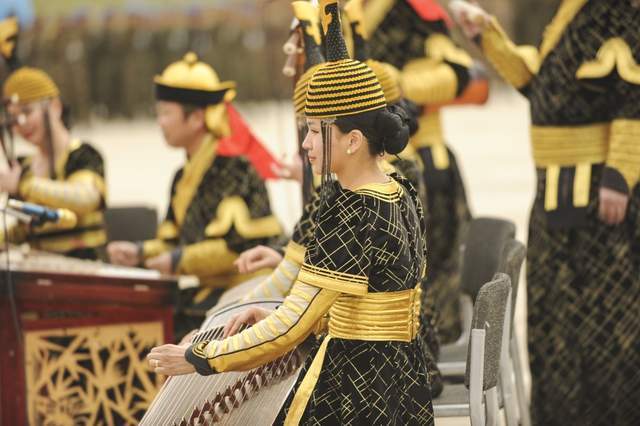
[
  {"x": 161, "y": 263},
  {"x": 124, "y": 253},
  {"x": 10, "y": 179},
  {"x": 470, "y": 17},
  {"x": 613, "y": 206},
  {"x": 257, "y": 258},
  {"x": 249, "y": 317},
  {"x": 169, "y": 360}
]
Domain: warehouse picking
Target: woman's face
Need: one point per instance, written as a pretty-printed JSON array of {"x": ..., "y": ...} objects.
[
  {"x": 313, "y": 145},
  {"x": 29, "y": 121}
]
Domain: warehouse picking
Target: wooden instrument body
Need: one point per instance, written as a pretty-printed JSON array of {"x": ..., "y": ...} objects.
[
  {"x": 252, "y": 397},
  {"x": 81, "y": 325}
]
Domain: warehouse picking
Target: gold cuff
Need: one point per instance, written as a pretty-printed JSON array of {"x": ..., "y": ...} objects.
[
  {"x": 295, "y": 253},
  {"x": 428, "y": 81},
  {"x": 517, "y": 65},
  {"x": 624, "y": 150}
]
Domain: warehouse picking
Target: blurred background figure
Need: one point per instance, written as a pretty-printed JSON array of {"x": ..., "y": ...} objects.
[
  {"x": 219, "y": 204},
  {"x": 583, "y": 259},
  {"x": 63, "y": 173}
]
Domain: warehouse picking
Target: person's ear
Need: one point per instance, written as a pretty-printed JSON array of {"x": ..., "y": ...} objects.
[
  {"x": 197, "y": 119},
  {"x": 355, "y": 141}
]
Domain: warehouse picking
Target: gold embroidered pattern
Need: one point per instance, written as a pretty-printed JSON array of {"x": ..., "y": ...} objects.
[
  {"x": 233, "y": 211},
  {"x": 389, "y": 192},
  {"x": 616, "y": 54}
]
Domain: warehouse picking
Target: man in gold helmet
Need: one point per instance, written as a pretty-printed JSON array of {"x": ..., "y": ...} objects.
[
  {"x": 63, "y": 173},
  {"x": 219, "y": 204}
]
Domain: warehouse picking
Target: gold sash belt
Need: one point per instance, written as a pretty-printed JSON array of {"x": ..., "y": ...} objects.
[
  {"x": 568, "y": 146},
  {"x": 387, "y": 316},
  {"x": 577, "y": 146}
]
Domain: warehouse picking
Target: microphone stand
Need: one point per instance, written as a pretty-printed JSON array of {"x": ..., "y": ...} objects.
[{"x": 10, "y": 290}]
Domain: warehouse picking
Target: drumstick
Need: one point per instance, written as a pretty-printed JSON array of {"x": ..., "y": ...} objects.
[
  {"x": 291, "y": 45},
  {"x": 289, "y": 68}
]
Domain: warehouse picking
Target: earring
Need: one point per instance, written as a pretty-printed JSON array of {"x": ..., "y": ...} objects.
[{"x": 348, "y": 151}]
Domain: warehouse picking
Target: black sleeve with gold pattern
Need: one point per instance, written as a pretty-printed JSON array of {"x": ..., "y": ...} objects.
[
  {"x": 339, "y": 259},
  {"x": 303, "y": 229},
  {"x": 256, "y": 198}
]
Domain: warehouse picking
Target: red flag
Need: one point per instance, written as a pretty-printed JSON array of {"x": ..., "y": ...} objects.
[
  {"x": 243, "y": 142},
  {"x": 430, "y": 10}
]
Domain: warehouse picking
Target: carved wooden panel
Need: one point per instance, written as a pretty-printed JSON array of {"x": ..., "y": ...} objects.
[{"x": 90, "y": 375}]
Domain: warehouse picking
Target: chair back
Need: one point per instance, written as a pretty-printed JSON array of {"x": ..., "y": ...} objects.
[
  {"x": 489, "y": 313},
  {"x": 483, "y": 251},
  {"x": 512, "y": 259},
  {"x": 132, "y": 223}
]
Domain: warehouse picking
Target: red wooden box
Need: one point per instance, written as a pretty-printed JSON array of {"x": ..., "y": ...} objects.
[{"x": 76, "y": 354}]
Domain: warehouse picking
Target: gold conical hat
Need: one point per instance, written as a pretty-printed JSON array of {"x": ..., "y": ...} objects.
[
  {"x": 28, "y": 84},
  {"x": 193, "y": 82}
]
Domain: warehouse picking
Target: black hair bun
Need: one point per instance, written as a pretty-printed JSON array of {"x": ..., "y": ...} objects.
[
  {"x": 392, "y": 125},
  {"x": 413, "y": 111}
]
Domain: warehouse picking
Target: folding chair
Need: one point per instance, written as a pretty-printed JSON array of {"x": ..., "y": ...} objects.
[
  {"x": 514, "y": 398},
  {"x": 133, "y": 223},
  {"x": 481, "y": 257},
  {"x": 477, "y": 398}
]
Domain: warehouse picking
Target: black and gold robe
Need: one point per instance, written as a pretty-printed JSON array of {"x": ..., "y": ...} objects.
[
  {"x": 280, "y": 282},
  {"x": 219, "y": 208},
  {"x": 79, "y": 186},
  {"x": 583, "y": 276},
  {"x": 363, "y": 268},
  {"x": 433, "y": 71}
]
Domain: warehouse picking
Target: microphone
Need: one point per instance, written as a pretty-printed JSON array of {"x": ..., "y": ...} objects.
[{"x": 40, "y": 214}]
